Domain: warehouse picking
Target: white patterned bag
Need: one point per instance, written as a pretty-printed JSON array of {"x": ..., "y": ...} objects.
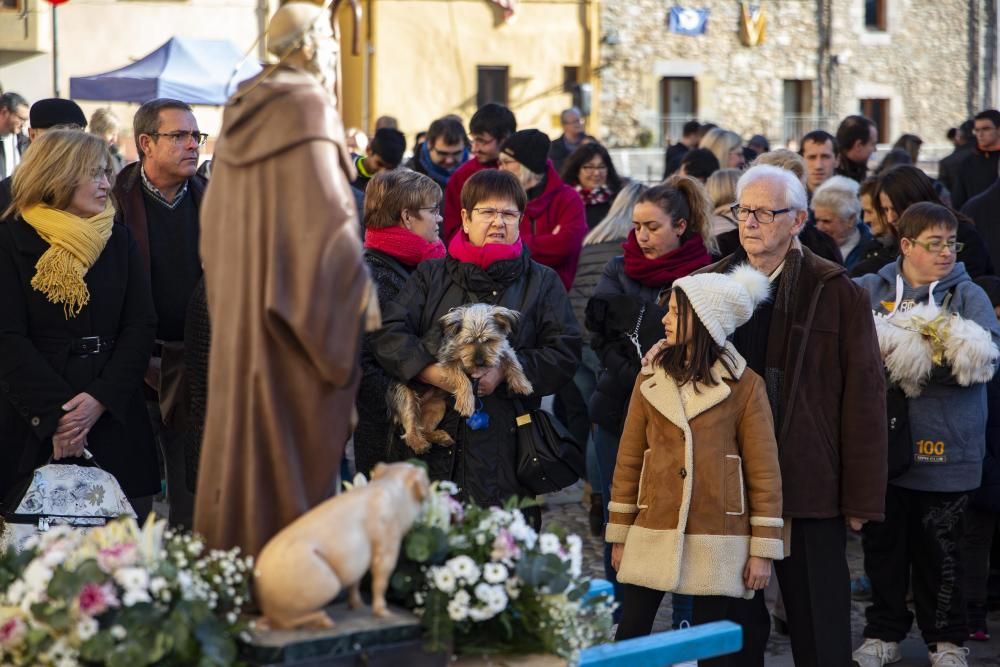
[{"x": 63, "y": 494}]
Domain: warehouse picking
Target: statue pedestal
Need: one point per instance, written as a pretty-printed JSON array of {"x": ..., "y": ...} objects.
[{"x": 357, "y": 638}]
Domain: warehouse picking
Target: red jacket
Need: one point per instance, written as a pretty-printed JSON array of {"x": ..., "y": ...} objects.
[
  {"x": 560, "y": 206},
  {"x": 453, "y": 196}
]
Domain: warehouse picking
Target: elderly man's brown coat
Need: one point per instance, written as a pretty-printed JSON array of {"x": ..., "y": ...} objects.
[
  {"x": 286, "y": 292},
  {"x": 697, "y": 489}
]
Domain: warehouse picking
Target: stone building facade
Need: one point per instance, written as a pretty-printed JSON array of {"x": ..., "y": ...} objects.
[{"x": 918, "y": 66}]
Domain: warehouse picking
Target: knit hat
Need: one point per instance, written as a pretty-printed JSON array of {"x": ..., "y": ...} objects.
[
  {"x": 530, "y": 148},
  {"x": 48, "y": 113},
  {"x": 725, "y": 302}
]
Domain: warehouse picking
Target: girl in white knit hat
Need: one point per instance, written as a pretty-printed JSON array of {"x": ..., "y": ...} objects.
[{"x": 696, "y": 499}]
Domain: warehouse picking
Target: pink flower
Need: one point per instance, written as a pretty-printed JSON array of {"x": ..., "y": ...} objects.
[
  {"x": 12, "y": 631},
  {"x": 456, "y": 508},
  {"x": 505, "y": 547},
  {"x": 95, "y": 599},
  {"x": 111, "y": 558}
]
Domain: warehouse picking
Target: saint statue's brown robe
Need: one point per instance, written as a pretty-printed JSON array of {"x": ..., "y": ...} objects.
[{"x": 287, "y": 291}]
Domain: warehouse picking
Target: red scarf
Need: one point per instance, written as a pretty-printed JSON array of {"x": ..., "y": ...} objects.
[
  {"x": 663, "y": 271},
  {"x": 403, "y": 245},
  {"x": 599, "y": 195},
  {"x": 482, "y": 256}
]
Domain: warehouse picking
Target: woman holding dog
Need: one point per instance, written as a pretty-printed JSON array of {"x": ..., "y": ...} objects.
[
  {"x": 696, "y": 499},
  {"x": 486, "y": 263},
  {"x": 402, "y": 214},
  {"x": 670, "y": 237}
]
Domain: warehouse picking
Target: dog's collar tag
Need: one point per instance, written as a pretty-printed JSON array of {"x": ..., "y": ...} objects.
[{"x": 479, "y": 419}]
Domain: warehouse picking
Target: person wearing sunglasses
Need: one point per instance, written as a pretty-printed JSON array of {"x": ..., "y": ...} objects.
[
  {"x": 942, "y": 371},
  {"x": 159, "y": 199}
]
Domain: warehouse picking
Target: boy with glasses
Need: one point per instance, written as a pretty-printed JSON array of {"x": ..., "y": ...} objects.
[
  {"x": 978, "y": 169},
  {"x": 442, "y": 152}
]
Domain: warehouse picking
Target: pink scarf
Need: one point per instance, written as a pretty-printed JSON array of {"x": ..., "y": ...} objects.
[
  {"x": 482, "y": 256},
  {"x": 403, "y": 245}
]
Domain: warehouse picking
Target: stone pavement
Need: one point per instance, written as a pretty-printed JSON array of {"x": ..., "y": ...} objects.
[{"x": 569, "y": 512}]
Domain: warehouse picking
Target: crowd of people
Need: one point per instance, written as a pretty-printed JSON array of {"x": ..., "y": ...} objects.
[{"x": 744, "y": 349}]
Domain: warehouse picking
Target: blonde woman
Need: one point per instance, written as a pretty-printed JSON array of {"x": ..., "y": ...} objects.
[
  {"x": 726, "y": 146},
  {"x": 106, "y": 125},
  {"x": 721, "y": 187},
  {"x": 76, "y": 322}
]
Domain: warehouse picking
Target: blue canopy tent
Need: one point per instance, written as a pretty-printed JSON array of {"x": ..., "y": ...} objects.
[{"x": 196, "y": 71}]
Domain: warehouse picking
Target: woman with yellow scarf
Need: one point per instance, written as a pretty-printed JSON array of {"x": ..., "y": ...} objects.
[{"x": 76, "y": 322}]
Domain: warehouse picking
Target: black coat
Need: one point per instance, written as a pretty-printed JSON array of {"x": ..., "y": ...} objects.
[
  {"x": 597, "y": 212},
  {"x": 612, "y": 315},
  {"x": 197, "y": 345},
  {"x": 590, "y": 270},
  {"x": 546, "y": 339},
  {"x": 38, "y": 374},
  {"x": 948, "y": 166},
  {"x": 987, "y": 496},
  {"x": 976, "y": 171},
  {"x": 373, "y": 437},
  {"x": 984, "y": 210}
]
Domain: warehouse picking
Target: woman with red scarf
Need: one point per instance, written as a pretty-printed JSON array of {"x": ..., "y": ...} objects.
[
  {"x": 670, "y": 239},
  {"x": 486, "y": 263},
  {"x": 402, "y": 214}
]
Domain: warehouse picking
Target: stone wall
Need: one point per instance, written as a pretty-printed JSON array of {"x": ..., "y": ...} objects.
[{"x": 921, "y": 64}]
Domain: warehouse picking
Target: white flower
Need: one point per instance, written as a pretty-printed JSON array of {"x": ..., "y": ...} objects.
[
  {"x": 448, "y": 487},
  {"x": 457, "y": 611},
  {"x": 86, "y": 628},
  {"x": 134, "y": 596},
  {"x": 463, "y": 597},
  {"x": 118, "y": 632},
  {"x": 497, "y": 599},
  {"x": 494, "y": 573},
  {"x": 484, "y": 591},
  {"x": 513, "y": 587},
  {"x": 195, "y": 548},
  {"x": 16, "y": 591},
  {"x": 481, "y": 613},
  {"x": 132, "y": 579},
  {"x": 231, "y": 618},
  {"x": 157, "y": 585},
  {"x": 37, "y": 576},
  {"x": 464, "y": 568},
  {"x": 548, "y": 543},
  {"x": 444, "y": 579}
]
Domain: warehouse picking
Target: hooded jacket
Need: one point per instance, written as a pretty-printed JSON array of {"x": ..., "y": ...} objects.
[
  {"x": 947, "y": 402},
  {"x": 554, "y": 226}
]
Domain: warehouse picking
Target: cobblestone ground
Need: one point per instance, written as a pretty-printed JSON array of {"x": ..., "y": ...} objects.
[{"x": 571, "y": 514}]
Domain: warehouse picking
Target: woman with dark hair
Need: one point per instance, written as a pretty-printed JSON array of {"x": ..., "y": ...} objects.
[
  {"x": 486, "y": 263},
  {"x": 895, "y": 191},
  {"x": 591, "y": 172},
  {"x": 696, "y": 503},
  {"x": 670, "y": 238}
]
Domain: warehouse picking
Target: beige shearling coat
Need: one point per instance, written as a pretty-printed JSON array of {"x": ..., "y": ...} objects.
[
  {"x": 696, "y": 489},
  {"x": 286, "y": 291}
]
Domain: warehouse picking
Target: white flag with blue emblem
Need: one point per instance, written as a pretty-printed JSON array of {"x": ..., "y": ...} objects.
[{"x": 686, "y": 21}]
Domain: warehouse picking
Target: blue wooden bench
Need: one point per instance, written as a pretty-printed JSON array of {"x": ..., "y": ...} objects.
[{"x": 667, "y": 648}]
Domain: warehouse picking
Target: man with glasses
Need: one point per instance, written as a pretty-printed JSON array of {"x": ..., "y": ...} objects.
[
  {"x": 13, "y": 116},
  {"x": 159, "y": 198},
  {"x": 814, "y": 344},
  {"x": 442, "y": 151},
  {"x": 489, "y": 127},
  {"x": 571, "y": 138},
  {"x": 978, "y": 168}
]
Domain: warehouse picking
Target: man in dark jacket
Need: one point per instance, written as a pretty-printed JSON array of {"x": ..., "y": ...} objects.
[
  {"x": 948, "y": 165},
  {"x": 984, "y": 209},
  {"x": 689, "y": 139},
  {"x": 857, "y": 137},
  {"x": 571, "y": 138},
  {"x": 978, "y": 169},
  {"x": 814, "y": 344},
  {"x": 158, "y": 198},
  {"x": 442, "y": 151},
  {"x": 13, "y": 115}
]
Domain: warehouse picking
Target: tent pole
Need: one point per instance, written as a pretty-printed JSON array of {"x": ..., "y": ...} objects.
[{"x": 55, "y": 51}]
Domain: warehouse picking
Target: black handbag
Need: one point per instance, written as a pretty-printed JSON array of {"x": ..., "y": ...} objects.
[
  {"x": 548, "y": 457},
  {"x": 900, "y": 442}
]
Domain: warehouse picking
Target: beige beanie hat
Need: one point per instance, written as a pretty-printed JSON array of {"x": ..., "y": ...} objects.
[{"x": 725, "y": 301}]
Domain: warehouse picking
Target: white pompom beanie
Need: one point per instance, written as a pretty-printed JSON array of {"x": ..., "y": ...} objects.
[{"x": 725, "y": 301}]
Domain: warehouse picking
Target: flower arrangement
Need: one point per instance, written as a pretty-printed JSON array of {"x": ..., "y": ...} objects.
[
  {"x": 119, "y": 595},
  {"x": 483, "y": 581}
]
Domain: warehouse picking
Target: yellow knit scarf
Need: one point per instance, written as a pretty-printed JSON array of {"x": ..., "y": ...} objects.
[{"x": 74, "y": 245}]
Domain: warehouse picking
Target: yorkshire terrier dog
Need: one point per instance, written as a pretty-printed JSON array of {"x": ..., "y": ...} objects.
[{"x": 473, "y": 337}]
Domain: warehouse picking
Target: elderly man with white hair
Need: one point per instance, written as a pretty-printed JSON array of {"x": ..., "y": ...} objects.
[
  {"x": 814, "y": 344},
  {"x": 837, "y": 212}
]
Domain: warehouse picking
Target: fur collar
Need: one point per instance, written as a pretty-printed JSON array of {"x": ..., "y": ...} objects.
[{"x": 682, "y": 404}]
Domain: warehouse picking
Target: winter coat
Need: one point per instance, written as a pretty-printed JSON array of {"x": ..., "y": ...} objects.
[
  {"x": 858, "y": 252},
  {"x": 560, "y": 206},
  {"x": 197, "y": 346},
  {"x": 373, "y": 434},
  {"x": 453, "y": 196},
  {"x": 976, "y": 171},
  {"x": 947, "y": 402},
  {"x": 39, "y": 373},
  {"x": 593, "y": 259},
  {"x": 612, "y": 314},
  {"x": 984, "y": 210},
  {"x": 546, "y": 340},
  {"x": 987, "y": 496},
  {"x": 697, "y": 488},
  {"x": 824, "y": 379},
  {"x": 948, "y": 165}
]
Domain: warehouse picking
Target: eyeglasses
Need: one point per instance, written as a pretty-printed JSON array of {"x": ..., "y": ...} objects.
[
  {"x": 938, "y": 245},
  {"x": 490, "y": 215},
  {"x": 435, "y": 210},
  {"x": 180, "y": 137},
  {"x": 97, "y": 172},
  {"x": 764, "y": 216},
  {"x": 447, "y": 154},
  {"x": 594, "y": 167}
]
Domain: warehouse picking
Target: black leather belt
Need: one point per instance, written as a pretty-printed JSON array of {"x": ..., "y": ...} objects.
[{"x": 84, "y": 347}]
